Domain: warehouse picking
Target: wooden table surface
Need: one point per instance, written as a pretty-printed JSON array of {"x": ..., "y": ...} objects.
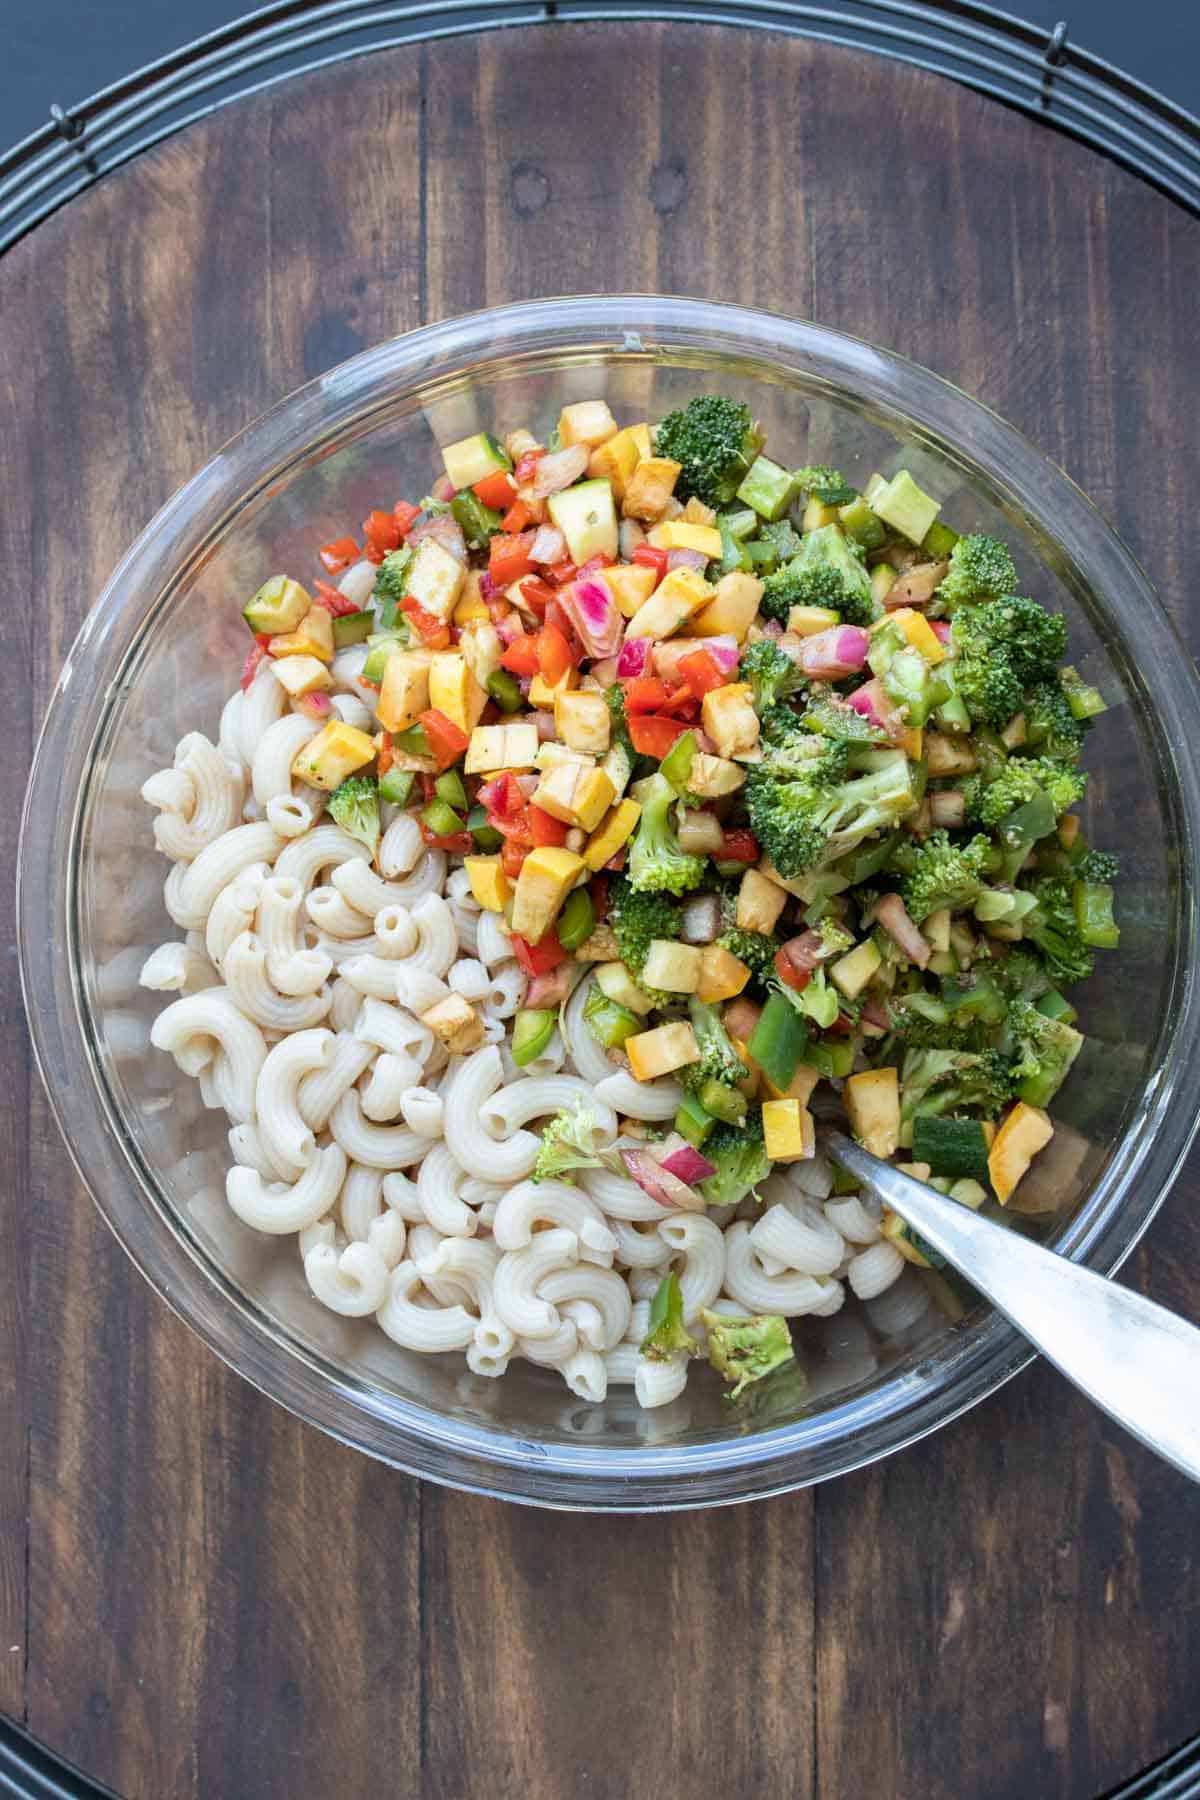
[{"x": 201, "y": 1597}]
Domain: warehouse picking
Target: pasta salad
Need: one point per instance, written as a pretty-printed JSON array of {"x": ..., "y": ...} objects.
[{"x": 566, "y": 833}]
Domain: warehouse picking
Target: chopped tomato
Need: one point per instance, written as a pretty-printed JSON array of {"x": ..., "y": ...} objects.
[
  {"x": 508, "y": 558},
  {"x": 433, "y": 632},
  {"x": 561, "y": 572},
  {"x": 502, "y": 795},
  {"x": 653, "y": 558},
  {"x": 739, "y": 846},
  {"x": 702, "y": 672},
  {"x": 616, "y": 863},
  {"x": 381, "y": 532},
  {"x": 446, "y": 741},
  {"x": 795, "y": 975},
  {"x": 250, "y": 667},
  {"x": 941, "y": 629},
  {"x": 406, "y": 516},
  {"x": 537, "y": 592},
  {"x": 653, "y": 735},
  {"x": 526, "y": 465},
  {"x": 458, "y": 843},
  {"x": 545, "y": 829},
  {"x": 521, "y": 656},
  {"x": 554, "y": 654},
  {"x": 496, "y": 490},
  {"x": 338, "y": 554},
  {"x": 333, "y": 600},
  {"x": 539, "y": 958},
  {"x": 512, "y": 855},
  {"x": 516, "y": 518},
  {"x": 387, "y": 754}
]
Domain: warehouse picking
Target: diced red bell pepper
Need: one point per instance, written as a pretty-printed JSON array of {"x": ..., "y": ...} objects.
[
  {"x": 653, "y": 735},
  {"x": 645, "y": 694},
  {"x": 681, "y": 703},
  {"x": 521, "y": 656},
  {"x": 516, "y": 518},
  {"x": 652, "y": 558},
  {"x": 496, "y": 490},
  {"x": 701, "y": 672},
  {"x": 406, "y": 515},
  {"x": 503, "y": 795},
  {"x": 458, "y": 843},
  {"x": 616, "y": 863},
  {"x": 941, "y": 630},
  {"x": 537, "y": 593},
  {"x": 554, "y": 654},
  {"x": 545, "y": 829},
  {"x": 333, "y": 600},
  {"x": 433, "y": 632},
  {"x": 539, "y": 958},
  {"x": 561, "y": 572},
  {"x": 792, "y": 974},
  {"x": 381, "y": 532},
  {"x": 512, "y": 855},
  {"x": 739, "y": 846},
  {"x": 387, "y": 753},
  {"x": 446, "y": 742},
  {"x": 250, "y": 667},
  {"x": 508, "y": 558},
  {"x": 338, "y": 554},
  {"x": 526, "y": 465}
]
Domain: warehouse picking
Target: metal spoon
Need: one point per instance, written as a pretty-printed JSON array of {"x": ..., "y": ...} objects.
[{"x": 1138, "y": 1362}]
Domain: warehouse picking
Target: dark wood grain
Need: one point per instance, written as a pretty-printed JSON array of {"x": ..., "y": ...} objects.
[{"x": 209, "y": 1600}]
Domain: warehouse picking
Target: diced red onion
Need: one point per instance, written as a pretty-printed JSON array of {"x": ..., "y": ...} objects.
[
  {"x": 315, "y": 705},
  {"x": 941, "y": 629},
  {"x": 700, "y": 833},
  {"x": 595, "y": 616},
  {"x": 687, "y": 559},
  {"x": 892, "y": 914},
  {"x": 659, "y": 1183},
  {"x": 548, "y": 546},
  {"x": 704, "y": 743},
  {"x": 948, "y": 809},
  {"x": 832, "y": 655},
  {"x": 772, "y": 629},
  {"x": 806, "y": 950},
  {"x": 546, "y": 728},
  {"x": 687, "y": 1164},
  {"x": 443, "y": 488},
  {"x": 873, "y": 703},
  {"x": 552, "y": 988},
  {"x": 630, "y": 535},
  {"x": 509, "y": 628},
  {"x": 701, "y": 922},
  {"x": 634, "y": 657},
  {"x": 875, "y": 1013},
  {"x": 723, "y": 650},
  {"x": 559, "y": 469},
  {"x": 445, "y": 530},
  {"x": 527, "y": 784},
  {"x": 605, "y": 670},
  {"x": 488, "y": 590}
]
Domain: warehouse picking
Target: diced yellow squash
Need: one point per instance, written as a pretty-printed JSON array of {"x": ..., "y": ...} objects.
[
  {"x": 989, "y": 1132},
  {"x": 586, "y": 422},
  {"x": 658, "y": 1052},
  {"x": 599, "y": 947},
  {"x": 302, "y": 675},
  {"x": 278, "y": 606},
  {"x": 852, "y": 972},
  {"x": 713, "y": 776},
  {"x": 872, "y": 1102},
  {"x": 912, "y": 743},
  {"x": 470, "y": 606},
  {"x": 697, "y": 513},
  {"x": 722, "y": 974},
  {"x": 947, "y": 755},
  {"x": 614, "y": 829},
  {"x": 1025, "y": 1131},
  {"x": 404, "y": 691},
  {"x": 583, "y": 722},
  {"x": 495, "y": 747},
  {"x": 456, "y": 1023},
  {"x": 936, "y": 929},
  {"x": 630, "y": 584},
  {"x": 489, "y": 883},
  {"x": 551, "y": 755},
  {"x": 759, "y": 902},
  {"x": 614, "y": 461},
  {"x": 796, "y": 884},
  {"x": 519, "y": 442},
  {"x": 799, "y": 1088},
  {"x": 920, "y": 634},
  {"x": 679, "y": 594},
  {"x": 543, "y": 693},
  {"x": 643, "y": 442},
  {"x": 436, "y": 578},
  {"x": 336, "y": 752},
  {"x": 1015, "y": 732},
  {"x": 453, "y": 689},
  {"x": 614, "y": 979},
  {"x": 733, "y": 609},
  {"x": 817, "y": 514},
  {"x": 806, "y": 621},
  {"x": 672, "y": 966},
  {"x": 679, "y": 534},
  {"x": 480, "y": 645},
  {"x": 313, "y": 636},
  {"x": 650, "y": 487},
  {"x": 899, "y": 1235},
  {"x": 788, "y": 1132},
  {"x": 1068, "y": 829},
  {"x": 575, "y": 793},
  {"x": 547, "y": 876},
  {"x": 729, "y": 718}
]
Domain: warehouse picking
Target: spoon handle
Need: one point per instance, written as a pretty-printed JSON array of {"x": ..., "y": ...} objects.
[{"x": 1138, "y": 1362}]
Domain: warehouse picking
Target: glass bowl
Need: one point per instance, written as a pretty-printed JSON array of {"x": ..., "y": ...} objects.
[{"x": 161, "y": 650}]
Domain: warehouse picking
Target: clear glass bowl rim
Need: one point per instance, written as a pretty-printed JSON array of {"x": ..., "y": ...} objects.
[{"x": 904, "y": 1407}]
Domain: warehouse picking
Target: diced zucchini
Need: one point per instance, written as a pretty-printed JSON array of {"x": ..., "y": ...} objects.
[
  {"x": 586, "y": 514},
  {"x": 472, "y": 459},
  {"x": 905, "y": 507},
  {"x": 954, "y": 1147},
  {"x": 352, "y": 628},
  {"x": 278, "y": 606},
  {"x": 768, "y": 488},
  {"x": 852, "y": 972},
  {"x": 618, "y": 984}
]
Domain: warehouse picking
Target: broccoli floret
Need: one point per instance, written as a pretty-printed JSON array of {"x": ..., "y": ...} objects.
[
  {"x": 1051, "y": 727},
  {"x": 1022, "y": 974},
  {"x": 1001, "y": 647},
  {"x": 719, "y": 1061},
  {"x": 656, "y": 862},
  {"x": 980, "y": 569},
  {"x": 835, "y": 939},
  {"x": 1021, "y": 780},
  {"x": 771, "y": 674},
  {"x": 714, "y": 441},
  {"x": 945, "y": 874},
  {"x": 391, "y": 577},
  {"x": 815, "y": 814},
  {"x": 1043, "y": 1051},
  {"x": 740, "y": 1157},
  {"x": 568, "y": 1143},
  {"x": 829, "y": 714},
  {"x": 826, "y": 485},
  {"x": 925, "y": 1023},
  {"x": 829, "y": 571},
  {"x": 637, "y": 919},
  {"x": 666, "y": 1336},
  {"x": 933, "y": 1082},
  {"x": 355, "y": 807},
  {"x": 1052, "y": 926},
  {"x": 744, "y": 1350},
  {"x": 1098, "y": 866}
]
